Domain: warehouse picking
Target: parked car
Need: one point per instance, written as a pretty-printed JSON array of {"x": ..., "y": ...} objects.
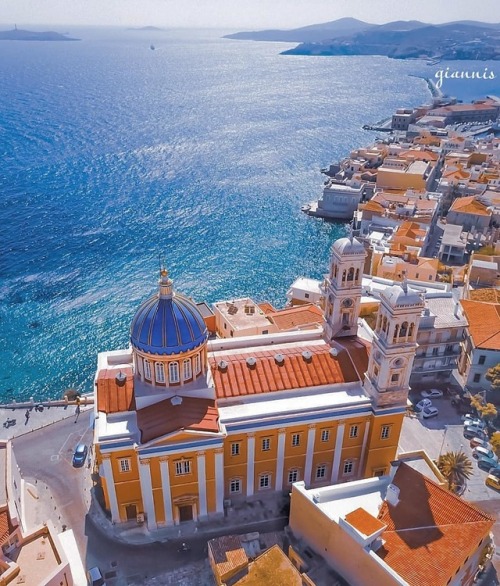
[
  {"x": 432, "y": 394},
  {"x": 495, "y": 471},
  {"x": 492, "y": 481},
  {"x": 480, "y": 452},
  {"x": 480, "y": 441},
  {"x": 428, "y": 412},
  {"x": 471, "y": 431},
  {"x": 487, "y": 463},
  {"x": 95, "y": 577},
  {"x": 80, "y": 455},
  {"x": 474, "y": 421},
  {"x": 423, "y": 404}
]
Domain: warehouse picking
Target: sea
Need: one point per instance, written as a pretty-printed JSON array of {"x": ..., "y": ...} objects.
[{"x": 198, "y": 153}]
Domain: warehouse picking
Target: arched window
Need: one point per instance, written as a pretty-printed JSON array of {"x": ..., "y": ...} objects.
[
  {"x": 350, "y": 274},
  {"x": 357, "y": 275},
  {"x": 384, "y": 324},
  {"x": 197, "y": 363},
  {"x": 345, "y": 319},
  {"x": 335, "y": 270},
  {"x": 396, "y": 330},
  {"x": 173, "y": 372},
  {"x": 403, "y": 332},
  {"x": 160, "y": 372},
  {"x": 147, "y": 369},
  {"x": 187, "y": 371},
  {"x": 344, "y": 273},
  {"x": 412, "y": 329}
]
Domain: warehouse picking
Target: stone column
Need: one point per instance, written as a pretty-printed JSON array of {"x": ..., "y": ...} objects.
[
  {"x": 147, "y": 492},
  {"x": 311, "y": 435},
  {"x": 219, "y": 480},
  {"x": 337, "y": 454},
  {"x": 165, "y": 487},
  {"x": 202, "y": 484},
  {"x": 250, "y": 463},
  {"x": 280, "y": 459},
  {"x": 110, "y": 487}
]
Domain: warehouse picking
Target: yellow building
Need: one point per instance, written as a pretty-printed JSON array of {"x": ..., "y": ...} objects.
[{"x": 186, "y": 426}]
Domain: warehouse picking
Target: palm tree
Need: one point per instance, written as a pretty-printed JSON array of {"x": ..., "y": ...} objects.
[{"x": 457, "y": 468}]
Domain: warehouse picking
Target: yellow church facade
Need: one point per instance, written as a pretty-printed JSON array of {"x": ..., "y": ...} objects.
[{"x": 186, "y": 427}]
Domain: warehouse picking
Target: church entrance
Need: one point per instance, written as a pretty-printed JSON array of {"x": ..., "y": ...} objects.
[
  {"x": 131, "y": 511},
  {"x": 185, "y": 513}
]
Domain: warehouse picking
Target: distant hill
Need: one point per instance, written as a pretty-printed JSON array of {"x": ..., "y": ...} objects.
[
  {"x": 146, "y": 28},
  {"x": 459, "y": 40},
  {"x": 468, "y": 40},
  {"x": 17, "y": 34},
  {"x": 314, "y": 32}
]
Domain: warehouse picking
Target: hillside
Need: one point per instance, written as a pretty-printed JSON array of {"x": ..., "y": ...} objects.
[{"x": 17, "y": 34}]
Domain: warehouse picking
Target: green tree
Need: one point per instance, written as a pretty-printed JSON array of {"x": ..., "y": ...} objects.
[
  {"x": 495, "y": 442},
  {"x": 456, "y": 467},
  {"x": 488, "y": 412},
  {"x": 493, "y": 375}
]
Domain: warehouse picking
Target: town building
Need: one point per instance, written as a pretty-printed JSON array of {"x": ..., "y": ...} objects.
[
  {"x": 469, "y": 213},
  {"x": 304, "y": 290},
  {"x": 404, "y": 528},
  {"x": 481, "y": 346},
  {"x": 185, "y": 426}
]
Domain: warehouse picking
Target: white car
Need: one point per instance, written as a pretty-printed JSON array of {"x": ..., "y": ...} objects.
[
  {"x": 423, "y": 404},
  {"x": 429, "y": 412},
  {"x": 480, "y": 452},
  {"x": 432, "y": 394},
  {"x": 476, "y": 422}
]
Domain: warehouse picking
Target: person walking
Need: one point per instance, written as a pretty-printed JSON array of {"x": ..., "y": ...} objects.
[{"x": 27, "y": 415}]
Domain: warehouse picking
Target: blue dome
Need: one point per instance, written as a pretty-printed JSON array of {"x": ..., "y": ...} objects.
[{"x": 167, "y": 323}]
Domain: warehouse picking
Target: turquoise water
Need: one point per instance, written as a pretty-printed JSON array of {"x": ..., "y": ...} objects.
[{"x": 202, "y": 151}]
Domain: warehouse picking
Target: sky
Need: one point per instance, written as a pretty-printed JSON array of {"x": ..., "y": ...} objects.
[{"x": 238, "y": 14}]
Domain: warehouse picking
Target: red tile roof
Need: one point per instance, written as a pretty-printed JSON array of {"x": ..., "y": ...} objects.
[
  {"x": 469, "y": 205},
  {"x": 484, "y": 323},
  {"x": 6, "y": 527},
  {"x": 364, "y": 522},
  {"x": 228, "y": 555},
  {"x": 297, "y": 317},
  {"x": 430, "y": 532},
  {"x": 112, "y": 398},
  {"x": 295, "y": 372},
  {"x": 164, "y": 417}
]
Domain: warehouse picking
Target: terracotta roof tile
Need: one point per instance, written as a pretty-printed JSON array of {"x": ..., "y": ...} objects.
[
  {"x": 430, "y": 532},
  {"x": 297, "y": 317},
  {"x": 163, "y": 418},
  {"x": 484, "y": 323},
  {"x": 272, "y": 567},
  {"x": 112, "y": 398},
  {"x": 6, "y": 527},
  {"x": 268, "y": 376},
  {"x": 228, "y": 555},
  {"x": 469, "y": 205},
  {"x": 364, "y": 522}
]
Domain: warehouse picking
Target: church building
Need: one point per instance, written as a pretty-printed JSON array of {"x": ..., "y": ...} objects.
[{"x": 186, "y": 426}]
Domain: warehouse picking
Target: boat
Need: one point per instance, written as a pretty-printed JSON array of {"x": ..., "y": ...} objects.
[{"x": 152, "y": 47}]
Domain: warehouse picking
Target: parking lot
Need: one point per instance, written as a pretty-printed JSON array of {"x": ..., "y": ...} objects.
[{"x": 442, "y": 434}]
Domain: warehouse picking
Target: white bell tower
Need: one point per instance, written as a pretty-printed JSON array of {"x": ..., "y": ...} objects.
[
  {"x": 343, "y": 288},
  {"x": 393, "y": 346}
]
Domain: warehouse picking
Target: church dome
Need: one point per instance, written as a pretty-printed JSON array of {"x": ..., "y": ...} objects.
[
  {"x": 167, "y": 323},
  {"x": 401, "y": 295},
  {"x": 348, "y": 246}
]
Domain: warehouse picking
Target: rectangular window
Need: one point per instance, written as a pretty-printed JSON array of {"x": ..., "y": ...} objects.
[
  {"x": 264, "y": 481},
  {"x": 320, "y": 471},
  {"x": 266, "y": 444},
  {"x": 124, "y": 465},
  {"x": 160, "y": 372},
  {"x": 477, "y": 377},
  {"x": 395, "y": 378},
  {"x": 482, "y": 360},
  {"x": 385, "y": 432},
  {"x": 147, "y": 369},
  {"x": 353, "y": 431},
  {"x": 293, "y": 476},
  {"x": 173, "y": 372},
  {"x": 197, "y": 364},
  {"x": 265, "y": 332},
  {"x": 182, "y": 467},
  {"x": 325, "y": 435},
  {"x": 296, "y": 439},
  {"x": 188, "y": 373},
  {"x": 235, "y": 449},
  {"x": 435, "y": 351},
  {"x": 348, "y": 467},
  {"x": 379, "y": 472},
  {"x": 235, "y": 485},
  {"x": 306, "y": 295}
]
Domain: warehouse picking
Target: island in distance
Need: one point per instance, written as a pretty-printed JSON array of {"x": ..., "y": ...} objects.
[
  {"x": 468, "y": 40},
  {"x": 17, "y": 34}
]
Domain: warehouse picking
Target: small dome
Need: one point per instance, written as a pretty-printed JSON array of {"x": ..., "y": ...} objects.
[
  {"x": 167, "y": 323},
  {"x": 348, "y": 246},
  {"x": 401, "y": 295}
]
